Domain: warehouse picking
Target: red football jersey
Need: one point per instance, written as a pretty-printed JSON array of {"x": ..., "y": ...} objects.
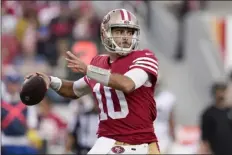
[{"x": 127, "y": 117}]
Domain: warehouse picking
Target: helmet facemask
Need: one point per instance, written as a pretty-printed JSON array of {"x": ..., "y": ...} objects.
[{"x": 110, "y": 41}]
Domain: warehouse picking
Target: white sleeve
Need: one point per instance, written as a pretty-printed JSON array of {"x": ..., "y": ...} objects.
[
  {"x": 81, "y": 88},
  {"x": 32, "y": 119},
  {"x": 139, "y": 76}
]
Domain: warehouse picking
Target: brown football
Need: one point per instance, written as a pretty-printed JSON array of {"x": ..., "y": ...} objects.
[{"x": 33, "y": 90}]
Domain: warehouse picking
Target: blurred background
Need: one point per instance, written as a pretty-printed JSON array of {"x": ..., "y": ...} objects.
[{"x": 192, "y": 40}]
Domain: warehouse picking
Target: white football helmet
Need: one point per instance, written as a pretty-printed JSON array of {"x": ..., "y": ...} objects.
[{"x": 119, "y": 18}]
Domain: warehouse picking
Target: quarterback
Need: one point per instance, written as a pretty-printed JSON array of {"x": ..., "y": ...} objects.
[{"x": 122, "y": 83}]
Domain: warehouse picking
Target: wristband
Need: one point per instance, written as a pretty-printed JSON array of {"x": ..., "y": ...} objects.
[
  {"x": 99, "y": 74},
  {"x": 56, "y": 83}
]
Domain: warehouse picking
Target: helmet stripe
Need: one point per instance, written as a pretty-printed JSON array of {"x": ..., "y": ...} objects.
[
  {"x": 122, "y": 15},
  {"x": 125, "y": 14}
]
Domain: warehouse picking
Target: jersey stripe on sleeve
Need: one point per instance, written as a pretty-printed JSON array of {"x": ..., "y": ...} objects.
[{"x": 146, "y": 63}]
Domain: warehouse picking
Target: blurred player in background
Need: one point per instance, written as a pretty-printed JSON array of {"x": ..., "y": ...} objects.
[
  {"x": 50, "y": 121},
  {"x": 122, "y": 83},
  {"x": 216, "y": 123},
  {"x": 164, "y": 124},
  {"x": 228, "y": 95},
  {"x": 83, "y": 125},
  {"x": 17, "y": 121}
]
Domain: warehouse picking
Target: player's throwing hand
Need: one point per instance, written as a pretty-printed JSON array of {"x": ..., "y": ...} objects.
[
  {"x": 75, "y": 64},
  {"x": 44, "y": 76}
]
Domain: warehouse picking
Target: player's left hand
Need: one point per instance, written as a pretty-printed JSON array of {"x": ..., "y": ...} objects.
[{"x": 75, "y": 64}]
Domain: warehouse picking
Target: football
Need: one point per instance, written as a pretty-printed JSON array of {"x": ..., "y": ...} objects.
[{"x": 33, "y": 90}]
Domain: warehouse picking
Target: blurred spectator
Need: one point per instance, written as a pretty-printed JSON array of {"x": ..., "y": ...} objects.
[
  {"x": 60, "y": 69},
  {"x": 29, "y": 18},
  {"x": 12, "y": 7},
  {"x": 28, "y": 60},
  {"x": 62, "y": 46},
  {"x": 59, "y": 27},
  {"x": 165, "y": 122},
  {"x": 87, "y": 24},
  {"x": 3, "y": 89},
  {"x": 46, "y": 113},
  {"x": 8, "y": 37},
  {"x": 229, "y": 90},
  {"x": 26, "y": 33},
  {"x": 12, "y": 82},
  {"x": 16, "y": 120},
  {"x": 45, "y": 14},
  {"x": 51, "y": 126},
  {"x": 8, "y": 51},
  {"x": 216, "y": 124},
  {"x": 83, "y": 125},
  {"x": 9, "y": 22}
]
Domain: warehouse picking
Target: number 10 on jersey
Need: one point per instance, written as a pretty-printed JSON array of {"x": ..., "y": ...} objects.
[{"x": 110, "y": 102}]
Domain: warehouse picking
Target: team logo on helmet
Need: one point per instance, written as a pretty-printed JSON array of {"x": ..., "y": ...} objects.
[{"x": 118, "y": 149}]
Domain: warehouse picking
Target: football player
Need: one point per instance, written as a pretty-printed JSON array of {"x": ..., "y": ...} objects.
[
  {"x": 164, "y": 124},
  {"x": 122, "y": 83}
]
